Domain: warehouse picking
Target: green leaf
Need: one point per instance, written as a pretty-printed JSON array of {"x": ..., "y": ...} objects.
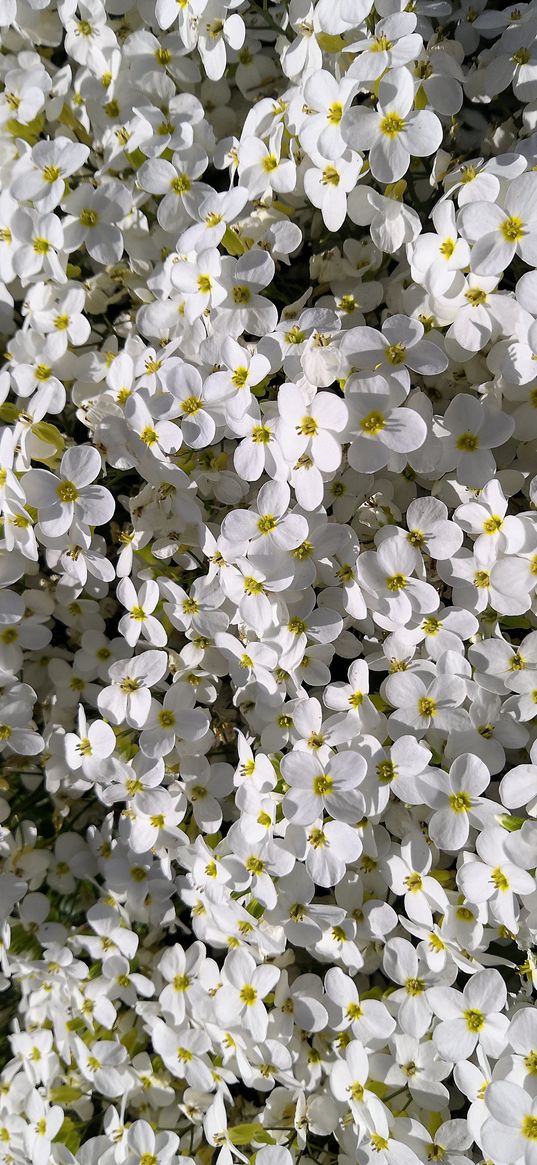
[
  {"x": 515, "y": 622},
  {"x": 51, "y": 437},
  {"x": 233, "y": 244},
  {"x": 330, "y": 44},
  {"x": 434, "y": 1122},
  {"x": 396, "y": 190},
  {"x": 246, "y": 1134},
  {"x": 136, "y": 158},
  {"x": 67, "y": 117},
  {"x": 9, "y": 412},
  {"x": 69, "y": 1135},
  {"x": 510, "y": 823},
  {"x": 130, "y": 1040},
  {"x": 29, "y": 131},
  {"x": 377, "y": 1086},
  {"x": 65, "y": 1094}
]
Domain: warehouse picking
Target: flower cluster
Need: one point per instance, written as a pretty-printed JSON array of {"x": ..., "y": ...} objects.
[{"x": 268, "y": 570}]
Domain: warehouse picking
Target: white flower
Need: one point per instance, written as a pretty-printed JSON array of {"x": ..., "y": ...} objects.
[
  {"x": 325, "y": 104},
  {"x": 327, "y": 185},
  {"x": 40, "y": 237},
  {"x": 314, "y": 787},
  {"x": 129, "y": 697},
  {"x": 471, "y": 432},
  {"x": 457, "y": 802},
  {"x": 139, "y": 620},
  {"x": 270, "y": 528},
  {"x": 387, "y": 574},
  {"x": 510, "y": 1132},
  {"x": 491, "y": 876},
  {"x": 41, "y": 174},
  {"x": 420, "y": 706},
  {"x": 393, "y": 132},
  {"x": 475, "y": 1016},
  {"x": 71, "y": 497},
  {"x": 244, "y": 988},
  {"x": 198, "y": 279},
  {"x": 407, "y": 874},
  {"x": 499, "y": 233}
]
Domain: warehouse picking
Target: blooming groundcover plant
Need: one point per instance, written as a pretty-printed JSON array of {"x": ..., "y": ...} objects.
[{"x": 268, "y": 570}]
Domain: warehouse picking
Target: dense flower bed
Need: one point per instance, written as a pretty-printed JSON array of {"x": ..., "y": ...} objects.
[{"x": 268, "y": 558}]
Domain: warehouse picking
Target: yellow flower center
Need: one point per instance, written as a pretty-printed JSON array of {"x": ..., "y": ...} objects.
[
  {"x": 475, "y": 296},
  {"x": 392, "y": 124},
  {"x": 396, "y": 582},
  {"x": 431, "y": 626},
  {"x": 386, "y": 771},
  {"x": 191, "y": 405},
  {"x": 89, "y": 217},
  {"x": 308, "y": 427},
  {"x": 240, "y": 376},
  {"x": 499, "y": 880},
  {"x": 512, "y": 229},
  {"x": 330, "y": 176},
  {"x": 317, "y": 838},
  {"x": 294, "y": 336},
  {"x": 41, "y": 246},
  {"x": 241, "y": 294},
  {"x": 493, "y": 524},
  {"x": 529, "y": 1128},
  {"x": 460, "y": 802},
  {"x": 323, "y": 785},
  {"x": 447, "y": 248},
  {"x": 395, "y": 353},
  {"x": 254, "y": 865},
  {"x": 475, "y": 1020},
  {"x": 482, "y": 579},
  {"x": 67, "y": 491},
  {"x": 381, "y": 44},
  {"x": 372, "y": 424},
  {"x": 335, "y": 113},
  {"x": 51, "y": 173},
  {"x": 467, "y": 442},
  {"x": 181, "y": 184},
  {"x": 261, "y": 435}
]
